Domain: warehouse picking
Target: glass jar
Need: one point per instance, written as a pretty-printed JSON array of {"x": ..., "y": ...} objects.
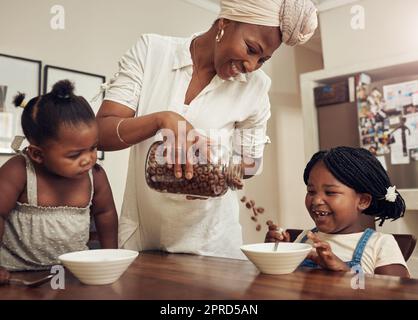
[{"x": 211, "y": 178}]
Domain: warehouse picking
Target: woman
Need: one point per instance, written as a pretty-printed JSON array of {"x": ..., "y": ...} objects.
[{"x": 208, "y": 81}]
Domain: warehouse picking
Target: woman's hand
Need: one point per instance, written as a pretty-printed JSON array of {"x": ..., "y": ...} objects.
[
  {"x": 323, "y": 255},
  {"x": 4, "y": 276},
  {"x": 276, "y": 234},
  {"x": 186, "y": 142}
]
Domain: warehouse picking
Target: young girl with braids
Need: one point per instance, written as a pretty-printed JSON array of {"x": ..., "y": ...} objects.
[
  {"x": 49, "y": 191},
  {"x": 346, "y": 187}
]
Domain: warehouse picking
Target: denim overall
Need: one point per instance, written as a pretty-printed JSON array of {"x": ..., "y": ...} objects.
[{"x": 358, "y": 252}]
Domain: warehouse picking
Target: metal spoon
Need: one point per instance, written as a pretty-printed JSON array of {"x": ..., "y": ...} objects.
[
  {"x": 31, "y": 284},
  {"x": 276, "y": 244}
]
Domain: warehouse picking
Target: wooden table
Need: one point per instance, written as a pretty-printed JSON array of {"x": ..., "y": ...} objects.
[{"x": 155, "y": 276}]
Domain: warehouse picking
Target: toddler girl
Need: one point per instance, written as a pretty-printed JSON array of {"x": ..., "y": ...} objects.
[{"x": 49, "y": 191}]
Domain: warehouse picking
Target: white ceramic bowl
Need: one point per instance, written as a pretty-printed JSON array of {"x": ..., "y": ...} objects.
[
  {"x": 285, "y": 260},
  {"x": 100, "y": 266}
]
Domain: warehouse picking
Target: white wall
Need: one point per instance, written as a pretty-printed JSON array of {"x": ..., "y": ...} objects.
[
  {"x": 289, "y": 135},
  {"x": 390, "y": 29}
]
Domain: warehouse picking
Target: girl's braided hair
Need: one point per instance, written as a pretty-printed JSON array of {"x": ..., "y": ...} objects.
[{"x": 359, "y": 169}]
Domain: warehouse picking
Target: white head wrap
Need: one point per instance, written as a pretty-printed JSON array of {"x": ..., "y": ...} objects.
[{"x": 297, "y": 19}]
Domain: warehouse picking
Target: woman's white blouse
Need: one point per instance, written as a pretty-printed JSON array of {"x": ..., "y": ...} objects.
[{"x": 154, "y": 76}]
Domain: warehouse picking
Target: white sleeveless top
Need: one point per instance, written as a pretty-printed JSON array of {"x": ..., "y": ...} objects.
[{"x": 35, "y": 236}]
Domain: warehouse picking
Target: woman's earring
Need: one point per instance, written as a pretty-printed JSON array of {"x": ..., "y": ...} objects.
[{"x": 219, "y": 35}]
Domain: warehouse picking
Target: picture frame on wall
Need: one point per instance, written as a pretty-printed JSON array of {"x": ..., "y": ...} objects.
[
  {"x": 86, "y": 84},
  {"x": 17, "y": 74}
]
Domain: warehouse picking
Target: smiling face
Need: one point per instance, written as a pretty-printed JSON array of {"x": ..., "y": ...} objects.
[
  {"x": 244, "y": 47},
  {"x": 334, "y": 207},
  {"x": 74, "y": 152}
]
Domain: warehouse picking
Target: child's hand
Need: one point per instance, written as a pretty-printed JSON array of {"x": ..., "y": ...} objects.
[
  {"x": 323, "y": 256},
  {"x": 4, "y": 276},
  {"x": 276, "y": 234}
]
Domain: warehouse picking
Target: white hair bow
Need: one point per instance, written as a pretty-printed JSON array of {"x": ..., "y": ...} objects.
[{"x": 391, "y": 194}]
